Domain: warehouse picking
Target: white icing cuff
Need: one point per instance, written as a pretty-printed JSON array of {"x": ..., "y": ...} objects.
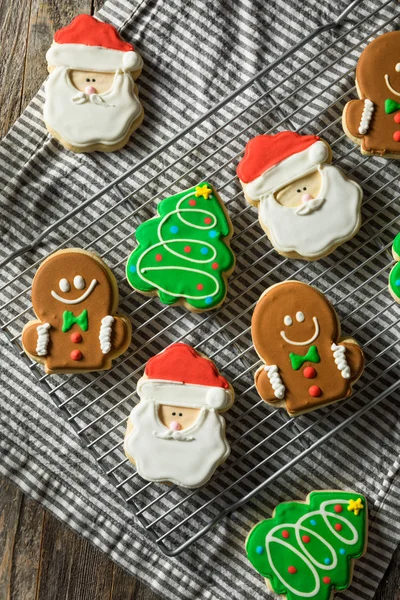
[
  {"x": 105, "y": 334},
  {"x": 92, "y": 58},
  {"x": 43, "y": 339},
  {"x": 176, "y": 393},
  {"x": 340, "y": 360},
  {"x": 366, "y": 116},
  {"x": 276, "y": 381},
  {"x": 288, "y": 170}
]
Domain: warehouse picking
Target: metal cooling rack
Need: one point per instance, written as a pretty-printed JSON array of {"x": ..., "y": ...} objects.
[{"x": 304, "y": 90}]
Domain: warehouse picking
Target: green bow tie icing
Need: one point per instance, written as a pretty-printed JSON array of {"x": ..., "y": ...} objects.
[
  {"x": 297, "y": 360},
  {"x": 70, "y": 319},
  {"x": 391, "y": 106},
  {"x": 306, "y": 549}
]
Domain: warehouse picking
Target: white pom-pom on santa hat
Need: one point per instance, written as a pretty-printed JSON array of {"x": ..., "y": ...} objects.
[
  {"x": 179, "y": 376},
  {"x": 91, "y": 45},
  {"x": 273, "y": 161}
]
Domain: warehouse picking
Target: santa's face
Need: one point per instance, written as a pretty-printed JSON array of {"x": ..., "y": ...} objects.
[
  {"x": 91, "y": 82},
  {"x": 321, "y": 220},
  {"x": 177, "y": 417},
  {"x": 300, "y": 191}
]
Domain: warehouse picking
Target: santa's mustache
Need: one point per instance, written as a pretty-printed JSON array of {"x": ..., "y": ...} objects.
[
  {"x": 309, "y": 206},
  {"x": 82, "y": 98},
  {"x": 174, "y": 435}
]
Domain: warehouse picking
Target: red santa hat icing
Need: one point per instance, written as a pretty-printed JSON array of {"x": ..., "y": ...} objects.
[
  {"x": 89, "y": 44},
  {"x": 272, "y": 161},
  {"x": 179, "y": 376}
]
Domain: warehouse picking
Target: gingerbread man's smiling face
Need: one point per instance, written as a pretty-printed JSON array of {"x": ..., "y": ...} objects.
[
  {"x": 291, "y": 317},
  {"x": 378, "y": 70},
  {"x": 71, "y": 280}
]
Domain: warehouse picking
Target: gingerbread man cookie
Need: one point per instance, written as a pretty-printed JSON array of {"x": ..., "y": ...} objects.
[
  {"x": 91, "y": 97},
  {"x": 308, "y": 549},
  {"x": 306, "y": 206},
  {"x": 373, "y": 122},
  {"x": 296, "y": 333},
  {"x": 75, "y": 296},
  {"x": 394, "y": 276},
  {"x": 176, "y": 433}
]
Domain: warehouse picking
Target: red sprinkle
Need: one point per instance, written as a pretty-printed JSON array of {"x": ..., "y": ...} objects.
[
  {"x": 309, "y": 372},
  {"x": 285, "y": 534},
  {"x": 326, "y": 580},
  {"x": 208, "y": 220},
  {"x": 396, "y": 136},
  {"x": 200, "y": 286},
  {"x": 76, "y": 355},
  {"x": 306, "y": 539},
  {"x": 215, "y": 266},
  {"x": 338, "y": 527},
  {"x": 315, "y": 391},
  {"x": 192, "y": 202},
  {"x": 292, "y": 570},
  {"x": 397, "y": 118},
  {"x": 158, "y": 257},
  {"x": 338, "y": 508},
  {"x": 76, "y": 338},
  {"x": 187, "y": 249}
]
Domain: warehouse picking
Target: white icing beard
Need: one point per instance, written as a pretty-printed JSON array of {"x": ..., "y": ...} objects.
[
  {"x": 83, "y": 120},
  {"x": 334, "y": 218},
  {"x": 187, "y": 457}
]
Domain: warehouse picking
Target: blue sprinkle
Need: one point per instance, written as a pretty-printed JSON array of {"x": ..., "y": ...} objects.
[
  {"x": 213, "y": 233},
  {"x": 327, "y": 561},
  {"x": 342, "y": 551},
  {"x": 313, "y": 522},
  {"x": 208, "y": 300},
  {"x": 259, "y": 550},
  {"x": 132, "y": 269},
  {"x": 204, "y": 250},
  {"x": 174, "y": 229},
  {"x": 397, "y": 282}
]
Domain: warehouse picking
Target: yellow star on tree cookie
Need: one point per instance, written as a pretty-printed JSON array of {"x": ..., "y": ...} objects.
[
  {"x": 355, "y": 506},
  {"x": 203, "y": 190}
]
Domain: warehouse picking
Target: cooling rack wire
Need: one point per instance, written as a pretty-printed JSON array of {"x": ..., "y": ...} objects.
[{"x": 304, "y": 90}]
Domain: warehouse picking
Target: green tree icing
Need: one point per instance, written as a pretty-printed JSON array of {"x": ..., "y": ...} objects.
[
  {"x": 184, "y": 253},
  {"x": 306, "y": 549},
  {"x": 394, "y": 277}
]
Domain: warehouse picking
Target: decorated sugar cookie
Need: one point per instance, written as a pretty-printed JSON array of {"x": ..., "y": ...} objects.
[
  {"x": 306, "y": 206},
  {"x": 91, "y": 98},
  {"x": 75, "y": 297},
  {"x": 183, "y": 254},
  {"x": 176, "y": 433},
  {"x": 394, "y": 277},
  {"x": 373, "y": 121},
  {"x": 296, "y": 333},
  {"x": 307, "y": 549}
]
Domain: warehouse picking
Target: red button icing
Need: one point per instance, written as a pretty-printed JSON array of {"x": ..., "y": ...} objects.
[
  {"x": 309, "y": 372},
  {"x": 76, "y": 355},
  {"x": 76, "y": 338},
  {"x": 396, "y": 136},
  {"x": 397, "y": 118},
  {"x": 315, "y": 391}
]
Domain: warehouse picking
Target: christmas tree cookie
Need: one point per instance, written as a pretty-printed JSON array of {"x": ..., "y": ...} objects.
[
  {"x": 183, "y": 254},
  {"x": 307, "y": 549},
  {"x": 394, "y": 277}
]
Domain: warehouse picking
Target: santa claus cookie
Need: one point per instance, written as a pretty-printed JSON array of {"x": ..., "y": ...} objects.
[
  {"x": 308, "y": 549},
  {"x": 394, "y": 277},
  {"x": 373, "y": 121},
  {"x": 306, "y": 206},
  {"x": 75, "y": 296},
  {"x": 296, "y": 333},
  {"x": 91, "y": 98},
  {"x": 175, "y": 433},
  {"x": 183, "y": 254}
]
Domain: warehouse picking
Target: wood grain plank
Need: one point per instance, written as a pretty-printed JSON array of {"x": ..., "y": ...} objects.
[
  {"x": 10, "y": 505},
  {"x": 125, "y": 587}
]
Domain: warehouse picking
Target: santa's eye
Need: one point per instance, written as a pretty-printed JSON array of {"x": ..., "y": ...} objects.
[
  {"x": 288, "y": 321},
  {"x": 397, "y": 67},
  {"x": 180, "y": 414},
  {"x": 88, "y": 79},
  {"x": 299, "y": 190},
  {"x": 64, "y": 285},
  {"x": 93, "y": 80},
  {"x": 300, "y": 317},
  {"x": 304, "y": 189},
  {"x": 173, "y": 414},
  {"x": 79, "y": 282}
]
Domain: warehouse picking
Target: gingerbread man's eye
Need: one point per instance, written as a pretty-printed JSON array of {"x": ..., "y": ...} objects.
[
  {"x": 79, "y": 282},
  {"x": 64, "y": 285},
  {"x": 288, "y": 320},
  {"x": 300, "y": 317},
  {"x": 397, "y": 67}
]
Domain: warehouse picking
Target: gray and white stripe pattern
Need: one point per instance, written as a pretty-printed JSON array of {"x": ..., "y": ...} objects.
[{"x": 195, "y": 53}]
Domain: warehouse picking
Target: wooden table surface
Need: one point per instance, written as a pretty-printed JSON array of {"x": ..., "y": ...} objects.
[{"x": 41, "y": 558}]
